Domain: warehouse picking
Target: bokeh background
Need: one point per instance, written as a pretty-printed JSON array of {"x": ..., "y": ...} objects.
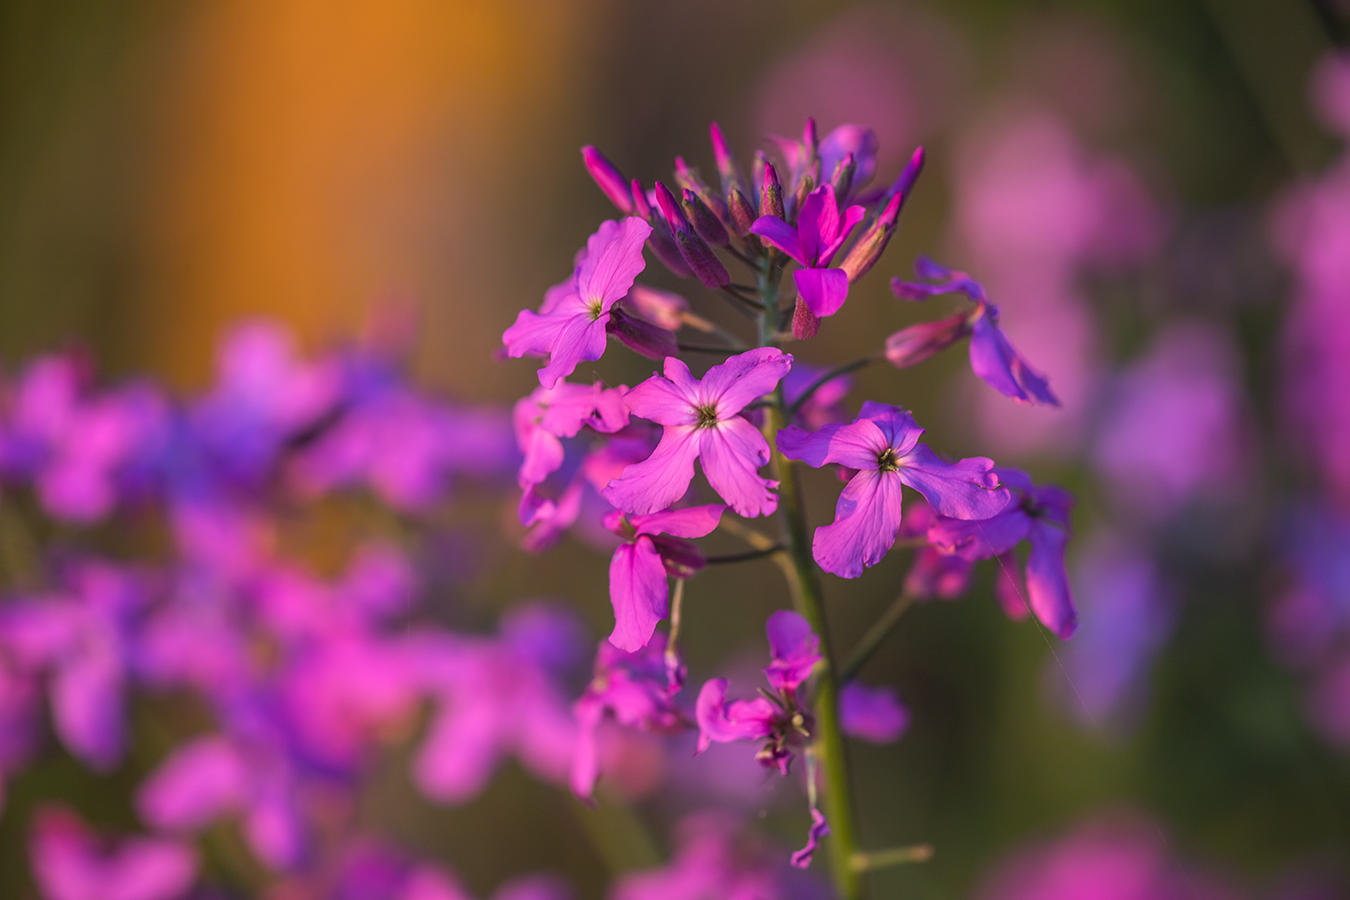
[{"x": 1119, "y": 173}]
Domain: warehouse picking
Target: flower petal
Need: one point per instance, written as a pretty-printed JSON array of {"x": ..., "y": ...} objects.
[
  {"x": 662, "y": 478},
  {"x": 692, "y": 522},
  {"x": 613, "y": 260},
  {"x": 866, "y": 521},
  {"x": 732, "y": 453},
  {"x": 638, "y": 592},
  {"x": 781, "y": 235},
  {"x": 965, "y": 489},
  {"x": 719, "y": 721},
  {"x": 822, "y": 290},
  {"x": 856, "y": 445},
  {"x": 742, "y": 379},
  {"x": 1047, "y": 580}
]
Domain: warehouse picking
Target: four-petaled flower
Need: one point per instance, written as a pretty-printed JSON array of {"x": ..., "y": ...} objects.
[
  {"x": 882, "y": 444},
  {"x": 702, "y": 421},
  {"x": 570, "y": 325},
  {"x": 991, "y": 356}
]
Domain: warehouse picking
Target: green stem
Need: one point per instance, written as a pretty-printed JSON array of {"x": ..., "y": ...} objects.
[{"x": 875, "y": 636}]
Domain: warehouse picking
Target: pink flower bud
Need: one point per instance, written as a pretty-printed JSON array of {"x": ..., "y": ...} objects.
[
  {"x": 771, "y": 195},
  {"x": 641, "y": 336},
  {"x": 868, "y": 250},
  {"x": 705, "y": 223},
  {"x": 609, "y": 178},
  {"x": 727, "y": 169},
  {"x": 702, "y": 261},
  {"x": 911, "y": 346},
  {"x": 743, "y": 215}
]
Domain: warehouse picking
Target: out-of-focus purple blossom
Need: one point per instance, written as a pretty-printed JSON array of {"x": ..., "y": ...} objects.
[
  {"x": 549, "y": 414},
  {"x": 882, "y": 446},
  {"x": 79, "y": 640},
  {"x": 992, "y": 357},
  {"x": 716, "y": 857},
  {"x": 570, "y": 326},
  {"x": 70, "y": 863},
  {"x": 1174, "y": 427},
  {"x": 1125, "y": 616},
  {"x": 1039, "y": 515},
  {"x": 874, "y": 714},
  {"x": 794, "y": 650},
  {"x": 825, "y": 406},
  {"x": 1119, "y": 858},
  {"x": 702, "y": 421},
  {"x": 636, "y": 689},
  {"x": 20, "y": 720},
  {"x": 637, "y": 572}
]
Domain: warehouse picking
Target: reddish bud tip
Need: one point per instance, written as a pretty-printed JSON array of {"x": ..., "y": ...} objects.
[
  {"x": 771, "y": 195},
  {"x": 805, "y": 324}
]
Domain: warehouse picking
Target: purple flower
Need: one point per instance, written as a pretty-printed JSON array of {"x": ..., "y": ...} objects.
[
  {"x": 70, "y": 863},
  {"x": 1039, "y": 515},
  {"x": 826, "y": 405},
  {"x": 636, "y": 689},
  {"x": 570, "y": 327},
  {"x": 821, "y": 230},
  {"x": 882, "y": 444},
  {"x": 549, "y": 414},
  {"x": 637, "y": 572},
  {"x": 991, "y": 356},
  {"x": 702, "y": 421},
  {"x": 874, "y": 714},
  {"x": 794, "y": 650}
]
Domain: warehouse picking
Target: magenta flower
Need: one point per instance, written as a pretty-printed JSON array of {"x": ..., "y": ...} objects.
[
  {"x": 782, "y": 721},
  {"x": 1039, "y": 515},
  {"x": 874, "y": 714},
  {"x": 702, "y": 421},
  {"x": 549, "y": 414},
  {"x": 825, "y": 406},
  {"x": 991, "y": 356},
  {"x": 637, "y": 572},
  {"x": 821, "y": 230},
  {"x": 69, "y": 862},
  {"x": 882, "y": 444},
  {"x": 571, "y": 327},
  {"x": 636, "y": 689}
]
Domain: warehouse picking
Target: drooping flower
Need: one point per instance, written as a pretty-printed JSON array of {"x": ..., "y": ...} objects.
[
  {"x": 782, "y": 721},
  {"x": 636, "y": 689},
  {"x": 820, "y": 231},
  {"x": 702, "y": 421},
  {"x": 1039, "y": 515},
  {"x": 991, "y": 356},
  {"x": 882, "y": 444},
  {"x": 637, "y": 571},
  {"x": 570, "y": 326}
]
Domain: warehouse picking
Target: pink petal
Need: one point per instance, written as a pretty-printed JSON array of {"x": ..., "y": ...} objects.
[
  {"x": 899, "y": 428},
  {"x": 781, "y": 235},
  {"x": 693, "y": 522},
  {"x": 822, "y": 290},
  {"x": 638, "y": 592},
  {"x": 86, "y": 698},
  {"x": 663, "y": 478},
  {"x": 1047, "y": 580},
  {"x": 852, "y": 216},
  {"x": 965, "y": 489},
  {"x": 667, "y": 400},
  {"x": 857, "y": 445},
  {"x": 739, "y": 721},
  {"x": 795, "y": 649},
  {"x": 818, "y": 223},
  {"x": 866, "y": 521},
  {"x": 732, "y": 453},
  {"x": 742, "y": 379},
  {"x": 613, "y": 260},
  {"x": 200, "y": 781},
  {"x": 532, "y": 333},
  {"x": 580, "y": 338}
]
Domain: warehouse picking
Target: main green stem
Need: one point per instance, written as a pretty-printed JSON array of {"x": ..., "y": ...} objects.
[{"x": 830, "y": 749}]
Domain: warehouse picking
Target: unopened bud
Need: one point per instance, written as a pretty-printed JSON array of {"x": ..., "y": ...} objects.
[
  {"x": 702, "y": 261},
  {"x": 661, "y": 308},
  {"x": 727, "y": 169},
  {"x": 911, "y": 346},
  {"x": 705, "y": 223},
  {"x": 609, "y": 178},
  {"x": 641, "y": 207},
  {"x": 743, "y": 215},
  {"x": 842, "y": 177},
  {"x": 904, "y": 185},
  {"x": 867, "y": 251},
  {"x": 794, "y": 203},
  {"x": 641, "y": 336},
  {"x": 689, "y": 179},
  {"x": 805, "y": 323},
  {"x": 771, "y": 195}
]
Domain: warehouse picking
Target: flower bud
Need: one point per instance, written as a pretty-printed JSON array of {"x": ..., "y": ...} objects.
[
  {"x": 805, "y": 323},
  {"x": 609, "y": 178},
  {"x": 661, "y": 242},
  {"x": 705, "y": 223},
  {"x": 805, "y": 186},
  {"x": 641, "y": 336},
  {"x": 661, "y": 308},
  {"x": 641, "y": 207},
  {"x": 865, "y": 253},
  {"x": 702, "y": 261},
  {"x": 912, "y": 345},
  {"x": 842, "y": 177},
  {"x": 743, "y": 215},
  {"x": 689, "y": 179},
  {"x": 905, "y": 183},
  {"x": 771, "y": 195},
  {"x": 727, "y": 169}
]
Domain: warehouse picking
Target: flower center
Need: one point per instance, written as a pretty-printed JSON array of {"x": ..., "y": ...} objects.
[
  {"x": 596, "y": 308},
  {"x": 887, "y": 461},
  {"x": 707, "y": 415}
]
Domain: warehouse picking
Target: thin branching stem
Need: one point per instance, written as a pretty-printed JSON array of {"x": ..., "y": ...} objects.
[
  {"x": 876, "y": 636},
  {"x": 828, "y": 377}
]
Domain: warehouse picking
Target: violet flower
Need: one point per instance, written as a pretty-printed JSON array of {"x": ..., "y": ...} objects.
[
  {"x": 991, "y": 356},
  {"x": 874, "y": 714},
  {"x": 820, "y": 231},
  {"x": 638, "y": 588},
  {"x": 702, "y": 421},
  {"x": 571, "y": 327},
  {"x": 781, "y": 721},
  {"x": 70, "y": 863},
  {"x": 636, "y": 689},
  {"x": 882, "y": 444},
  {"x": 825, "y": 406},
  {"x": 1039, "y": 515}
]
